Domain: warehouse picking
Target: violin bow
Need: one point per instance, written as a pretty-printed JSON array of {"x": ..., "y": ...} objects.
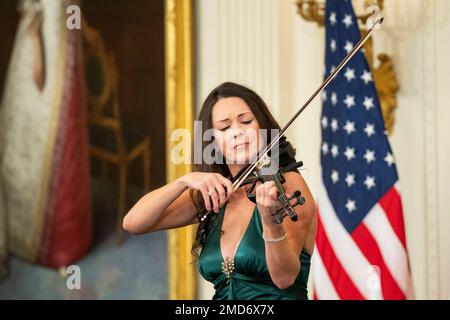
[
  {"x": 264, "y": 155},
  {"x": 332, "y": 75}
]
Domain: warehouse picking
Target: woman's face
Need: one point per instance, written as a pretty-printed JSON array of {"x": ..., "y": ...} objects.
[{"x": 236, "y": 130}]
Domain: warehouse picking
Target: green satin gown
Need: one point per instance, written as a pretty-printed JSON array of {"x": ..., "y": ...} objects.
[{"x": 250, "y": 279}]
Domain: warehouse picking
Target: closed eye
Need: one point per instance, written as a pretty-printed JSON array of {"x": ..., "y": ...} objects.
[{"x": 244, "y": 122}]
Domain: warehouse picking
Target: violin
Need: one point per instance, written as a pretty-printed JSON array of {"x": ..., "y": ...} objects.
[
  {"x": 269, "y": 170},
  {"x": 265, "y": 167},
  {"x": 281, "y": 160}
]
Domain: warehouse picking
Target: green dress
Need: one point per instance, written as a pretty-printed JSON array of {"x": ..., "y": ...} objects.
[{"x": 250, "y": 278}]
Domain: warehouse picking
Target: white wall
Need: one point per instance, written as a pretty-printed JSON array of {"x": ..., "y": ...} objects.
[{"x": 265, "y": 45}]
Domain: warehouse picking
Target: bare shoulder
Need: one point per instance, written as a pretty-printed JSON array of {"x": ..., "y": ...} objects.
[
  {"x": 294, "y": 181},
  {"x": 301, "y": 232}
]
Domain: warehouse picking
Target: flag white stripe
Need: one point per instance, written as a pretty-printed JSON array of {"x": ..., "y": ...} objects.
[
  {"x": 346, "y": 250},
  {"x": 323, "y": 286},
  {"x": 391, "y": 248}
]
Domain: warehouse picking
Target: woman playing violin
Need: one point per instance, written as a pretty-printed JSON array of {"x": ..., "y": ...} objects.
[{"x": 240, "y": 249}]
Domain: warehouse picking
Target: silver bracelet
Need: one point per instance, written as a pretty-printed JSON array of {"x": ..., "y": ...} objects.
[{"x": 274, "y": 240}]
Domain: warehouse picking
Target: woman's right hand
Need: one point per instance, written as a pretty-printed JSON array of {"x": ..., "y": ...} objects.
[{"x": 220, "y": 188}]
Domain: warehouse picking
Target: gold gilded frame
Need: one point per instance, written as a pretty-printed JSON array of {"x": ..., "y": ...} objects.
[{"x": 182, "y": 279}]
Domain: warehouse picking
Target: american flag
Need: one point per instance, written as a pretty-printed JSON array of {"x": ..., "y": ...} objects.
[{"x": 361, "y": 250}]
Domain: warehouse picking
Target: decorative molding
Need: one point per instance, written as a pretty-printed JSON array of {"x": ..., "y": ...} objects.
[
  {"x": 247, "y": 51},
  {"x": 314, "y": 10},
  {"x": 179, "y": 114},
  {"x": 431, "y": 152}
]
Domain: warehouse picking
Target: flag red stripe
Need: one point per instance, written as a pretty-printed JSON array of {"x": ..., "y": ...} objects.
[
  {"x": 392, "y": 206},
  {"x": 369, "y": 247},
  {"x": 344, "y": 286}
]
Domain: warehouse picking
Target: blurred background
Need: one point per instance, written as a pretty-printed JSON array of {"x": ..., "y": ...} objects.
[{"x": 99, "y": 94}]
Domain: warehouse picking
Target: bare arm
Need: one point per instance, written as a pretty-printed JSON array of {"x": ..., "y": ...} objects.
[
  {"x": 165, "y": 208},
  {"x": 171, "y": 207},
  {"x": 283, "y": 257}
]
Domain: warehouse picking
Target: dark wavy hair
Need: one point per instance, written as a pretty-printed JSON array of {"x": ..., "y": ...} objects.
[{"x": 265, "y": 121}]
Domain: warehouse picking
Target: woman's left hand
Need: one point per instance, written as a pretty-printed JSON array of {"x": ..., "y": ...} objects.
[{"x": 266, "y": 200}]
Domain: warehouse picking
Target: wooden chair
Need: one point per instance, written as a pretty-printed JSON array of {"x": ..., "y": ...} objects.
[{"x": 118, "y": 145}]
